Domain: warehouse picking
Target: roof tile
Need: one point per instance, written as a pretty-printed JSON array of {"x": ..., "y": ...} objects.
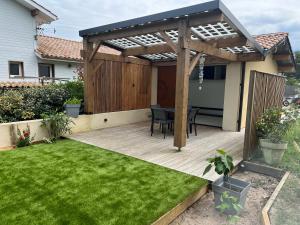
[
  {"x": 268, "y": 41},
  {"x": 59, "y": 48}
]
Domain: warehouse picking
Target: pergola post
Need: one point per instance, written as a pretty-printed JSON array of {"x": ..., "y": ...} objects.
[
  {"x": 182, "y": 84},
  {"x": 88, "y": 98}
]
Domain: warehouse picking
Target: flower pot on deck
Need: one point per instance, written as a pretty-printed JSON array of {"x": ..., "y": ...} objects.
[
  {"x": 273, "y": 152},
  {"x": 234, "y": 187},
  {"x": 72, "y": 110}
]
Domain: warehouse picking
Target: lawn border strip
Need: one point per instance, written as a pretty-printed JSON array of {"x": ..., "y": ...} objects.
[
  {"x": 168, "y": 217},
  {"x": 267, "y": 207},
  {"x": 296, "y": 146}
]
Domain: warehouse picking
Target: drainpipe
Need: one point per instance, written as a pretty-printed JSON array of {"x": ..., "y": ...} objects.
[{"x": 243, "y": 68}]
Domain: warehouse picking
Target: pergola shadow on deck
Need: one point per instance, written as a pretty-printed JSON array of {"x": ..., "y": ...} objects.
[{"x": 135, "y": 140}]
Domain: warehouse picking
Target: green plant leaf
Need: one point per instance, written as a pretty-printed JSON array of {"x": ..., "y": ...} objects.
[
  {"x": 207, "y": 169},
  {"x": 221, "y": 151}
]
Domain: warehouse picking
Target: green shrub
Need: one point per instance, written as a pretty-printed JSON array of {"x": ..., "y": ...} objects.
[
  {"x": 73, "y": 101},
  {"x": 13, "y": 107},
  {"x": 75, "y": 88},
  {"x": 277, "y": 124},
  {"x": 45, "y": 100},
  {"x": 31, "y": 103},
  {"x": 57, "y": 124}
]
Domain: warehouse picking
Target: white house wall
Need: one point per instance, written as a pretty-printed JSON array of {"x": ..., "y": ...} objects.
[
  {"x": 17, "y": 42},
  {"x": 62, "y": 69}
]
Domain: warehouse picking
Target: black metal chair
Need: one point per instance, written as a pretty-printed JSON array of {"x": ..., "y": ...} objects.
[
  {"x": 160, "y": 116},
  {"x": 155, "y": 106},
  {"x": 191, "y": 120}
]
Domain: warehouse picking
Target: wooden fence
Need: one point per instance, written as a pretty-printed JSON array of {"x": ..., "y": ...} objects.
[
  {"x": 115, "y": 83},
  {"x": 265, "y": 91}
]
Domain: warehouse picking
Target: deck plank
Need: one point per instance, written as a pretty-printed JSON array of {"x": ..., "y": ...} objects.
[{"x": 135, "y": 140}]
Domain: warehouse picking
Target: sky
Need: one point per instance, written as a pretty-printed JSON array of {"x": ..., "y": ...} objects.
[{"x": 257, "y": 16}]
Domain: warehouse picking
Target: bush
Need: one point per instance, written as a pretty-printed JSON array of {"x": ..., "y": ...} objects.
[
  {"x": 277, "y": 124},
  {"x": 73, "y": 101},
  {"x": 57, "y": 124},
  {"x": 45, "y": 100},
  {"x": 13, "y": 107},
  {"x": 24, "y": 137},
  {"x": 31, "y": 103}
]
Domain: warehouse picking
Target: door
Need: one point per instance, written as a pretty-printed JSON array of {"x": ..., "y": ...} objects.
[{"x": 166, "y": 83}]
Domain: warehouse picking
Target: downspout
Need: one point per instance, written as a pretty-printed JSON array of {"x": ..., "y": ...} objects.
[{"x": 242, "y": 85}]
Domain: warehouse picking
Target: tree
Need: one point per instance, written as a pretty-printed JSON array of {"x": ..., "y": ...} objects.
[{"x": 297, "y": 56}]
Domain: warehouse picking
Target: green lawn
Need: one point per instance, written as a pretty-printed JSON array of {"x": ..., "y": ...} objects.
[{"x": 73, "y": 183}]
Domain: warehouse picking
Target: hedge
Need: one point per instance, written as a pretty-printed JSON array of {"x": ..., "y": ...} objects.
[{"x": 31, "y": 103}]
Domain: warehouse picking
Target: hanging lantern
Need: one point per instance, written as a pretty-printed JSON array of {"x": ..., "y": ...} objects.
[{"x": 201, "y": 71}]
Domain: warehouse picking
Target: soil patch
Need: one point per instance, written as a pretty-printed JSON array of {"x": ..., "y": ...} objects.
[{"x": 203, "y": 212}]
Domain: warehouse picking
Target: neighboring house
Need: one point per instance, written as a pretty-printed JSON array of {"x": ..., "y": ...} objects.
[
  {"x": 24, "y": 55},
  {"x": 62, "y": 56}
]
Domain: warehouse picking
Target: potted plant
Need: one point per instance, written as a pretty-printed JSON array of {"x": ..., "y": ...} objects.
[
  {"x": 72, "y": 107},
  {"x": 273, "y": 128},
  {"x": 226, "y": 185}
]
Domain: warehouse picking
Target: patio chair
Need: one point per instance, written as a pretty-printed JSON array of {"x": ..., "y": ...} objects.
[
  {"x": 191, "y": 120},
  {"x": 160, "y": 116},
  {"x": 155, "y": 106}
]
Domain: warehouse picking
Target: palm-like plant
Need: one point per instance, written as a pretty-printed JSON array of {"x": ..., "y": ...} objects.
[{"x": 223, "y": 164}]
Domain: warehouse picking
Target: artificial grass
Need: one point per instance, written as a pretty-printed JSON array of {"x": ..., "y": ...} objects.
[{"x": 69, "y": 182}]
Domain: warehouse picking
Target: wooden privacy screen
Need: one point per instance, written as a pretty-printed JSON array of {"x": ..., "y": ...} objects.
[
  {"x": 112, "y": 86},
  {"x": 265, "y": 91}
]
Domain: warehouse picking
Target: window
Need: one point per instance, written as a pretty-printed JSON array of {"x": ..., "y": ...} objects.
[
  {"x": 210, "y": 73},
  {"x": 16, "y": 69},
  {"x": 46, "y": 70}
]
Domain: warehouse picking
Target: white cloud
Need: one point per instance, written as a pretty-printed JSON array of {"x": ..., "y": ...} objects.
[{"x": 257, "y": 16}]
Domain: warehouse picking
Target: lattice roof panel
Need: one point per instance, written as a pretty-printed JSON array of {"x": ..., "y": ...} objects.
[
  {"x": 147, "y": 40},
  {"x": 123, "y": 43}
]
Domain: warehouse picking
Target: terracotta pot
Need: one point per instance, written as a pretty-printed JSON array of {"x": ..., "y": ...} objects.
[{"x": 273, "y": 152}]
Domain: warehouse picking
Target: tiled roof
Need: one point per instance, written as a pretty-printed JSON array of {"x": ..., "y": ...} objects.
[
  {"x": 58, "y": 48},
  {"x": 268, "y": 41}
]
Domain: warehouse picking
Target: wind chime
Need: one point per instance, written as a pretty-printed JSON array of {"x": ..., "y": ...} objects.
[{"x": 201, "y": 71}]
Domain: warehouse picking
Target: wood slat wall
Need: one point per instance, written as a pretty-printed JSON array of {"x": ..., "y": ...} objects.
[
  {"x": 117, "y": 86},
  {"x": 265, "y": 91}
]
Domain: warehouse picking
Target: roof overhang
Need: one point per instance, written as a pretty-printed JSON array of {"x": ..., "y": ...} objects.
[
  {"x": 284, "y": 56},
  {"x": 212, "y": 25},
  {"x": 42, "y": 14}
]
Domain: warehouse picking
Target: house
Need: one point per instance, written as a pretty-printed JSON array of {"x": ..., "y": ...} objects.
[
  {"x": 159, "y": 65},
  {"x": 27, "y": 56}
]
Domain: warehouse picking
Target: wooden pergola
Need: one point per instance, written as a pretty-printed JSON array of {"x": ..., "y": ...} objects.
[{"x": 180, "y": 36}]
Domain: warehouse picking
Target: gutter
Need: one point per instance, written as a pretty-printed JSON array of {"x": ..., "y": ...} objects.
[{"x": 57, "y": 60}]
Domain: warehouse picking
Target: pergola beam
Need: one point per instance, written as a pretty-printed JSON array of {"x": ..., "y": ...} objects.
[
  {"x": 154, "y": 49},
  {"x": 168, "y": 40},
  {"x": 95, "y": 50},
  {"x": 194, "y": 62},
  {"x": 206, "y": 18},
  {"x": 228, "y": 42},
  {"x": 203, "y": 47}
]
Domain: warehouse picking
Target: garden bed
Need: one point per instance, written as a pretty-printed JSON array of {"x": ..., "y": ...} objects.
[
  {"x": 203, "y": 212},
  {"x": 74, "y": 183}
]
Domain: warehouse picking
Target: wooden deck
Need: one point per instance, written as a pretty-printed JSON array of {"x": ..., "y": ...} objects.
[{"x": 135, "y": 140}]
